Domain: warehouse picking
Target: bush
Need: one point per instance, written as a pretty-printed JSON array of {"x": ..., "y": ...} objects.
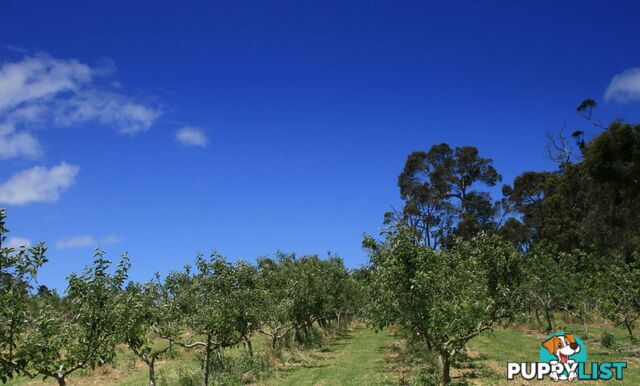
[
  {"x": 241, "y": 370},
  {"x": 427, "y": 378},
  {"x": 607, "y": 339},
  {"x": 185, "y": 377}
]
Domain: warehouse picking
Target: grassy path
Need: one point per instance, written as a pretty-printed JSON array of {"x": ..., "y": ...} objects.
[
  {"x": 356, "y": 358},
  {"x": 362, "y": 357}
]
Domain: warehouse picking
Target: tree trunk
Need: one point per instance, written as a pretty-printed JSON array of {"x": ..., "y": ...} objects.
[
  {"x": 297, "y": 336},
  {"x": 61, "y": 381},
  {"x": 547, "y": 315},
  {"x": 586, "y": 327},
  {"x": 219, "y": 357},
  {"x": 445, "y": 367},
  {"x": 630, "y": 329},
  {"x": 152, "y": 371},
  {"x": 538, "y": 317},
  {"x": 274, "y": 340},
  {"x": 205, "y": 362},
  {"x": 338, "y": 316},
  {"x": 249, "y": 346}
]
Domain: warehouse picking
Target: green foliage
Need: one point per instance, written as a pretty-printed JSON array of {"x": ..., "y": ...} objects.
[
  {"x": 619, "y": 299},
  {"x": 211, "y": 302},
  {"x": 591, "y": 204},
  {"x": 84, "y": 332},
  {"x": 296, "y": 292},
  {"x": 607, "y": 339},
  {"x": 577, "y": 296},
  {"x": 444, "y": 298},
  {"x": 207, "y": 299},
  {"x": 450, "y": 267},
  {"x": 440, "y": 200},
  {"x": 18, "y": 271},
  {"x": 152, "y": 315},
  {"x": 43, "y": 335},
  {"x": 276, "y": 281},
  {"x": 185, "y": 377}
]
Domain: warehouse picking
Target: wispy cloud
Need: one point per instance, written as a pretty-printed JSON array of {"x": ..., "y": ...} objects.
[
  {"x": 37, "y": 78},
  {"x": 624, "y": 87},
  {"x": 14, "y": 143},
  {"x": 192, "y": 136},
  {"x": 85, "y": 241},
  {"x": 105, "y": 108},
  {"x": 17, "y": 242},
  {"x": 40, "y": 91},
  {"x": 18, "y": 144},
  {"x": 38, "y": 184}
]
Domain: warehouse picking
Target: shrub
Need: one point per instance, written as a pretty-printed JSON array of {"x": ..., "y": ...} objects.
[{"x": 607, "y": 339}]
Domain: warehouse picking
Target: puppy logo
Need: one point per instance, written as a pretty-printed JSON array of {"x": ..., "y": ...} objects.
[
  {"x": 566, "y": 350},
  {"x": 563, "y": 357},
  {"x": 562, "y": 346}
]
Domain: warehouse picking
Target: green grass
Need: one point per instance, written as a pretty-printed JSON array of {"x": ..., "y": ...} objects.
[
  {"x": 494, "y": 350},
  {"x": 355, "y": 358},
  {"x": 361, "y": 356}
]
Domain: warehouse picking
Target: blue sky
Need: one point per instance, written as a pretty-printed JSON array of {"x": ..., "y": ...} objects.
[{"x": 166, "y": 129}]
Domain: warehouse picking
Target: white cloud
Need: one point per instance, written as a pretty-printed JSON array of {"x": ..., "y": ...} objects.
[
  {"x": 111, "y": 239},
  {"x": 106, "y": 108},
  {"x": 17, "y": 242},
  {"x": 192, "y": 136},
  {"x": 42, "y": 91},
  {"x": 624, "y": 87},
  {"x": 38, "y": 184},
  {"x": 35, "y": 78},
  {"x": 17, "y": 144},
  {"x": 85, "y": 241},
  {"x": 77, "y": 242}
]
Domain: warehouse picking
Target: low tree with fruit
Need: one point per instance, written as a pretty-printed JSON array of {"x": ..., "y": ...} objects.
[
  {"x": 444, "y": 298},
  {"x": 619, "y": 294},
  {"x": 18, "y": 271},
  {"x": 83, "y": 332},
  {"x": 151, "y": 325}
]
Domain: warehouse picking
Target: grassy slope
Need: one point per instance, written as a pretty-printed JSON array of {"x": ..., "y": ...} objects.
[
  {"x": 361, "y": 357},
  {"x": 493, "y": 351},
  {"x": 356, "y": 358}
]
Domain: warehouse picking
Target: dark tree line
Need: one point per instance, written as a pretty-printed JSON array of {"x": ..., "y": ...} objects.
[
  {"x": 454, "y": 261},
  {"x": 591, "y": 202}
]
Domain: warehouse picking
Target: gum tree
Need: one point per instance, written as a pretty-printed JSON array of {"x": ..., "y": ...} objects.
[{"x": 439, "y": 189}]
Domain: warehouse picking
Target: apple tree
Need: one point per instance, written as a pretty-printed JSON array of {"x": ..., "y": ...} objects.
[{"x": 444, "y": 298}]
